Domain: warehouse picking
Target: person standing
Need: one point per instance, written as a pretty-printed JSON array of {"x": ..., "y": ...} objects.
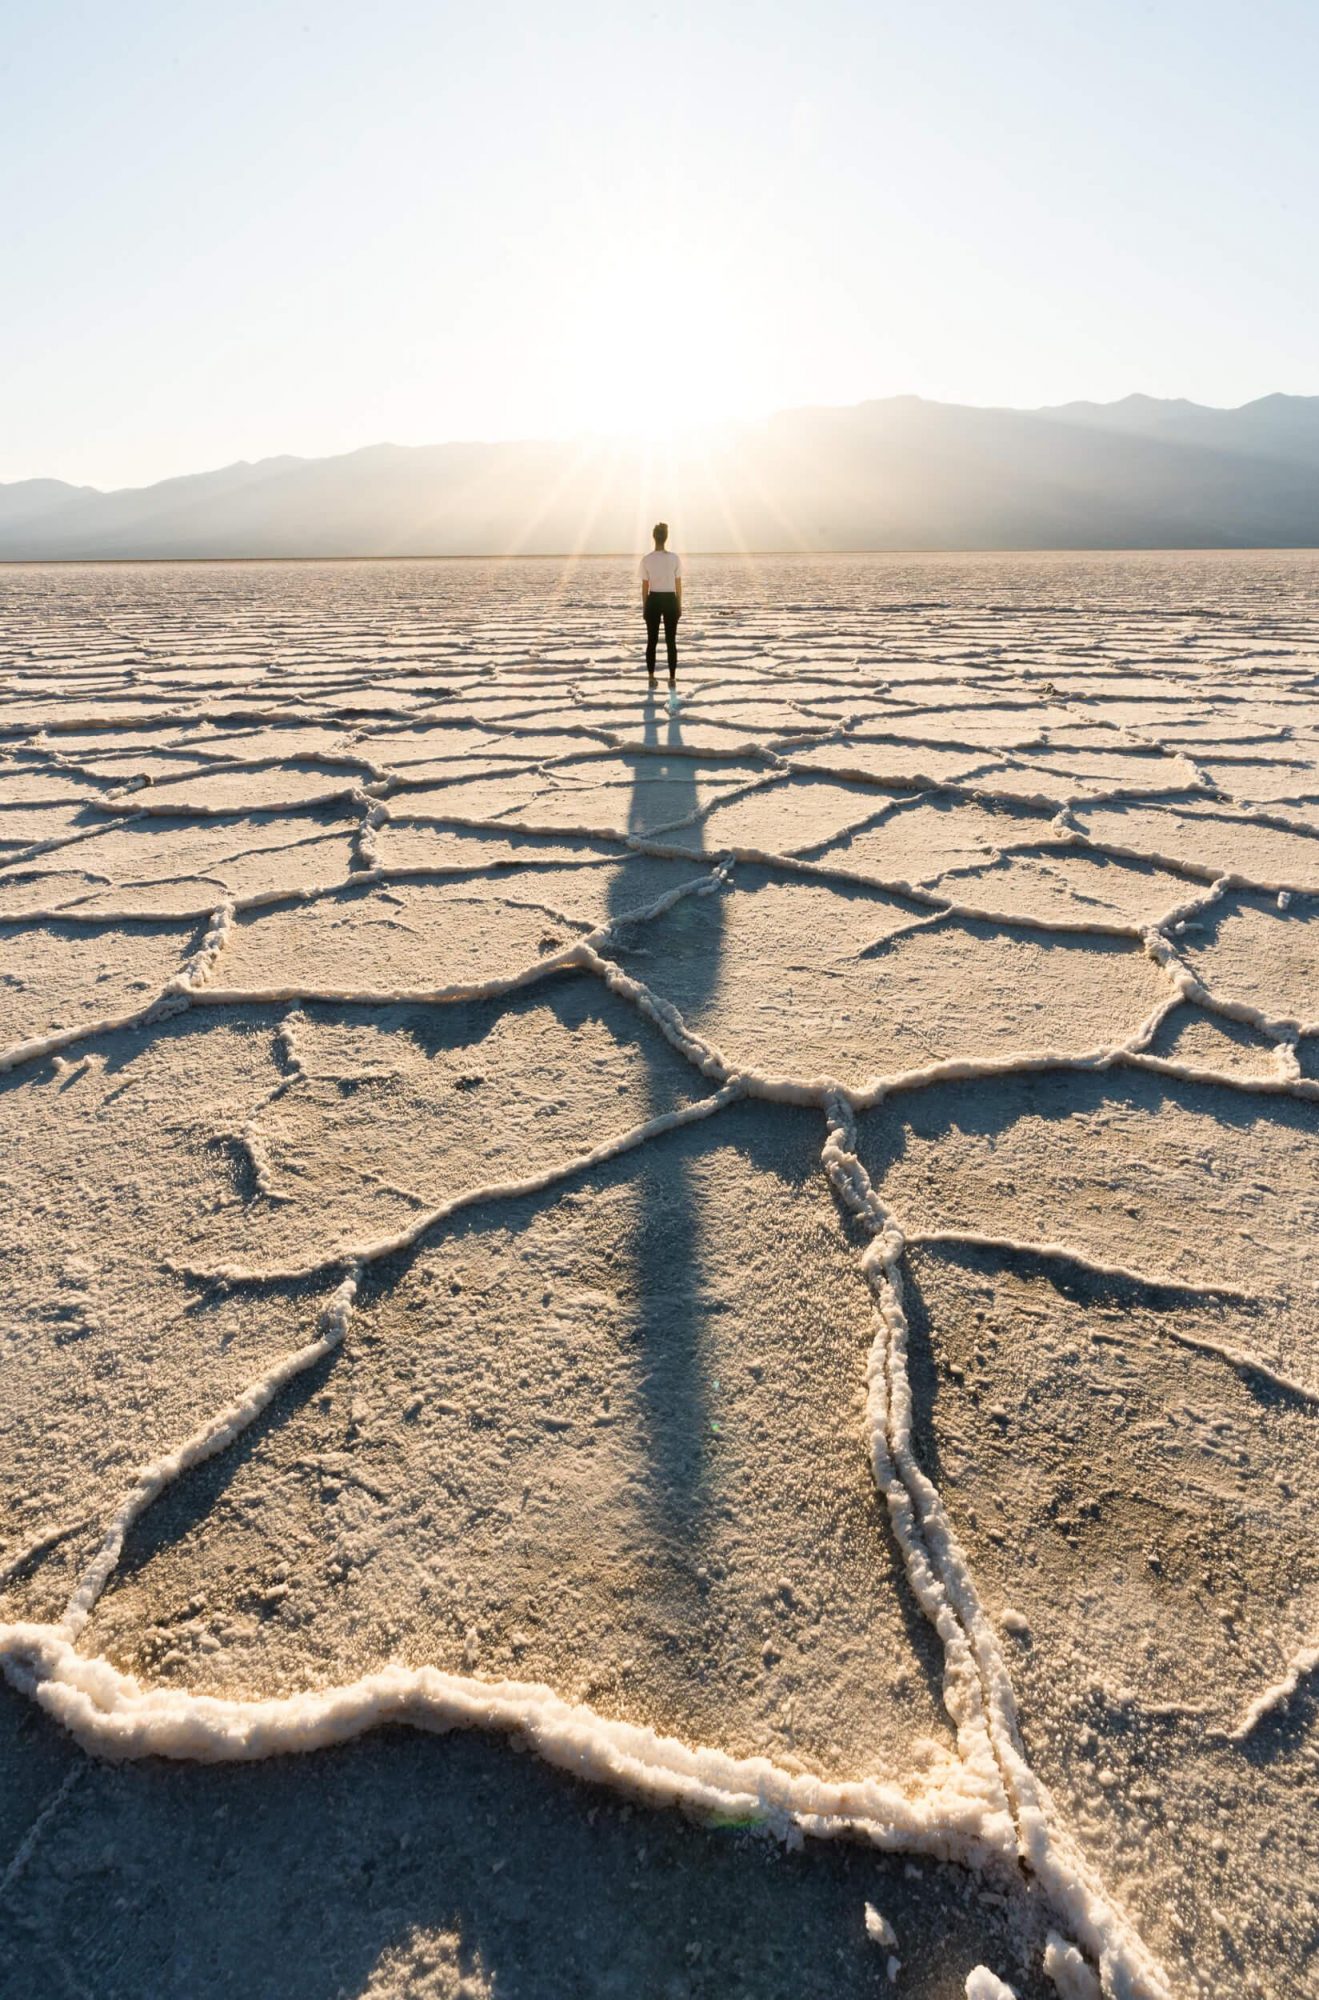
[{"x": 661, "y": 599}]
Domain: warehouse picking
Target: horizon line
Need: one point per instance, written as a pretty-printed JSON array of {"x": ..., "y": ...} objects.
[{"x": 741, "y": 555}]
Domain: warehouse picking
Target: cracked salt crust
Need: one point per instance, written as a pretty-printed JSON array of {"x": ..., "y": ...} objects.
[
  {"x": 398, "y": 1110},
  {"x": 921, "y": 838},
  {"x": 253, "y": 790},
  {"x": 1063, "y": 885},
  {"x": 1192, "y": 1191},
  {"x": 781, "y": 814},
  {"x": 525, "y": 1392},
  {"x": 1148, "y": 1511},
  {"x": 1215, "y": 1042},
  {"x": 387, "y": 938},
  {"x": 61, "y": 976},
  {"x": 430, "y": 844},
  {"x": 1249, "y": 950},
  {"x": 861, "y": 1007},
  {"x": 1255, "y": 849},
  {"x": 895, "y": 763},
  {"x": 26, "y": 827},
  {"x": 267, "y": 1102}
]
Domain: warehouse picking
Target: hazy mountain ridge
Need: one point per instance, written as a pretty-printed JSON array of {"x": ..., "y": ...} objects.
[{"x": 894, "y": 474}]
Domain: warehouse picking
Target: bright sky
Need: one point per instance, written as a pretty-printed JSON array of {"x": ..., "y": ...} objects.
[{"x": 229, "y": 231}]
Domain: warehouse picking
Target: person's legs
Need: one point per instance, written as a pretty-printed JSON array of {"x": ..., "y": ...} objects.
[
  {"x": 671, "y": 637},
  {"x": 652, "y": 612}
]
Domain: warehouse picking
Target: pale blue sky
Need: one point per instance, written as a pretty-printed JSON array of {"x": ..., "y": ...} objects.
[{"x": 228, "y": 231}]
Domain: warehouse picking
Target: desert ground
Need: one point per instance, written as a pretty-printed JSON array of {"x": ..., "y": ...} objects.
[{"x": 660, "y": 1353}]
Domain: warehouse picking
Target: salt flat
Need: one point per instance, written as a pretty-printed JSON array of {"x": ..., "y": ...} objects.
[{"x": 760, "y": 1252}]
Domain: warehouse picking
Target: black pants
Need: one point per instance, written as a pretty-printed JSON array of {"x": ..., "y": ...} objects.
[{"x": 662, "y": 604}]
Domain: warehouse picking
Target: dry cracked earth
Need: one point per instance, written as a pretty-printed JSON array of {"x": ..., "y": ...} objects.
[{"x": 759, "y": 1254}]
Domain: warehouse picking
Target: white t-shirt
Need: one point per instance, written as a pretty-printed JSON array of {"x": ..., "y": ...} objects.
[{"x": 661, "y": 569}]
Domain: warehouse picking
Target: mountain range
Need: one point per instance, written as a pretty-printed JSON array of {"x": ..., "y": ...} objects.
[{"x": 902, "y": 473}]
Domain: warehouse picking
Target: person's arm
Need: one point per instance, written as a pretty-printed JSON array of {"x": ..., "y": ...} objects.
[
  {"x": 645, "y": 583},
  {"x": 677, "y": 582}
]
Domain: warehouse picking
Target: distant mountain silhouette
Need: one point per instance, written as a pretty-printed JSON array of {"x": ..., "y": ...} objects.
[{"x": 898, "y": 474}]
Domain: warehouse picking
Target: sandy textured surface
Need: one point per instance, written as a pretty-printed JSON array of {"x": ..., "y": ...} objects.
[{"x": 760, "y": 1253}]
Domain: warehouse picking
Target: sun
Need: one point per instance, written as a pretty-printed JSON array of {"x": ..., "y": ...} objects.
[
  {"x": 673, "y": 407},
  {"x": 664, "y": 376}
]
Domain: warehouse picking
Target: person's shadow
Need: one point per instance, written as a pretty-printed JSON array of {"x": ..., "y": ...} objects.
[{"x": 668, "y": 1252}]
